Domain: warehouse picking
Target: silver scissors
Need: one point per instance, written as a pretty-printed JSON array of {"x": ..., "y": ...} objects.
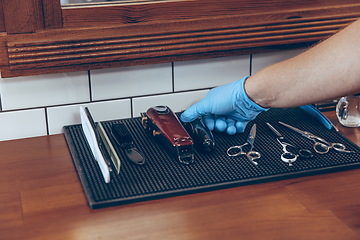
[
  {"x": 320, "y": 146},
  {"x": 238, "y": 150},
  {"x": 290, "y": 152}
]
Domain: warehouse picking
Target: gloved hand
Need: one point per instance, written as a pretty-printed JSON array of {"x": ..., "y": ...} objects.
[{"x": 225, "y": 108}]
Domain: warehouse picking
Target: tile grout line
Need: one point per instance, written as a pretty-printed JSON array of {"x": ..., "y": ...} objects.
[
  {"x": 131, "y": 108},
  {"x": 105, "y": 100},
  {"x": 47, "y": 122},
  {"x": 1, "y": 107}
]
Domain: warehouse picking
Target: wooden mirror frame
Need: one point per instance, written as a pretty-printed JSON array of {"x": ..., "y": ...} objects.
[{"x": 41, "y": 36}]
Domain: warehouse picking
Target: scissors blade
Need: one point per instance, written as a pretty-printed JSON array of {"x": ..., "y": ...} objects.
[
  {"x": 282, "y": 140},
  {"x": 305, "y": 134},
  {"x": 251, "y": 137},
  {"x": 274, "y": 130}
]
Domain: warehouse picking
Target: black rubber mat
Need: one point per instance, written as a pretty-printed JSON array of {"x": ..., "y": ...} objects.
[{"x": 163, "y": 176}]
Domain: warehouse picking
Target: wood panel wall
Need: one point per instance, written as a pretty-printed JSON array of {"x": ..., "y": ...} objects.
[{"x": 77, "y": 38}]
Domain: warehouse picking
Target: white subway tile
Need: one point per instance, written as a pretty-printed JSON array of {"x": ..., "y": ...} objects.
[
  {"x": 209, "y": 73},
  {"x": 263, "y": 60},
  {"x": 101, "y": 111},
  {"x": 176, "y": 101},
  {"x": 131, "y": 81},
  {"x": 44, "y": 90},
  {"x": 22, "y": 124}
]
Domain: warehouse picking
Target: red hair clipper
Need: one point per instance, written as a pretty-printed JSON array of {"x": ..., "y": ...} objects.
[{"x": 164, "y": 125}]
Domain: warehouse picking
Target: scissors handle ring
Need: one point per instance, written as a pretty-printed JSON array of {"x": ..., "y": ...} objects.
[
  {"x": 289, "y": 157},
  {"x": 338, "y": 146},
  {"x": 253, "y": 155},
  {"x": 305, "y": 153},
  {"x": 321, "y": 148},
  {"x": 324, "y": 148},
  {"x": 237, "y": 153}
]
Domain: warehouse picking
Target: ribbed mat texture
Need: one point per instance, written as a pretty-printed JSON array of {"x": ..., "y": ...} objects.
[{"x": 163, "y": 176}]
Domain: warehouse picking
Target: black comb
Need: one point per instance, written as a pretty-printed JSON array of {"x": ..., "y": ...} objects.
[{"x": 124, "y": 140}]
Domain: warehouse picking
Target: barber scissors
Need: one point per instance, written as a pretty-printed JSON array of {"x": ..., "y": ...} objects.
[
  {"x": 290, "y": 152},
  {"x": 321, "y": 145},
  {"x": 238, "y": 150}
]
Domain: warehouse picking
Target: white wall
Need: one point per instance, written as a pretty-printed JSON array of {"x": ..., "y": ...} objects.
[{"x": 42, "y": 105}]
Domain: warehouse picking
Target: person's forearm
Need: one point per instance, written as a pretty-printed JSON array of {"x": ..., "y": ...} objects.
[{"x": 329, "y": 70}]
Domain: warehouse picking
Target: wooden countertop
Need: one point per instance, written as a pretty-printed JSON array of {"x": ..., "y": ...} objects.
[{"x": 41, "y": 198}]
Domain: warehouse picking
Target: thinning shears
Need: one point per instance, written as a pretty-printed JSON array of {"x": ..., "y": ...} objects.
[
  {"x": 290, "y": 151},
  {"x": 321, "y": 145},
  {"x": 238, "y": 150}
]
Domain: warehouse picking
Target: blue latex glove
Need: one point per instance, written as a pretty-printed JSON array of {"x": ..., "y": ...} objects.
[{"x": 225, "y": 108}]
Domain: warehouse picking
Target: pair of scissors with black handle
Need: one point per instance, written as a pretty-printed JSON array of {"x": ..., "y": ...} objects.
[
  {"x": 321, "y": 145},
  {"x": 290, "y": 152},
  {"x": 238, "y": 150}
]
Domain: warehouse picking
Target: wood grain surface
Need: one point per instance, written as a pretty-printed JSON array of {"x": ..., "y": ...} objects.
[{"x": 41, "y": 198}]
